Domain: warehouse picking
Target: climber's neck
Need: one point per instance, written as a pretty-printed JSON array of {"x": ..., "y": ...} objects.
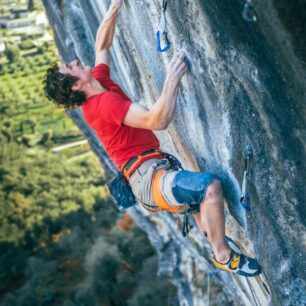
[{"x": 93, "y": 88}]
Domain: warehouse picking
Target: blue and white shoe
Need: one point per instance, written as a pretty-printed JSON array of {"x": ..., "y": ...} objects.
[{"x": 240, "y": 264}]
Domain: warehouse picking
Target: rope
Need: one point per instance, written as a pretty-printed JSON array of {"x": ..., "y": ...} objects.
[
  {"x": 208, "y": 289},
  {"x": 252, "y": 292},
  {"x": 210, "y": 274}
]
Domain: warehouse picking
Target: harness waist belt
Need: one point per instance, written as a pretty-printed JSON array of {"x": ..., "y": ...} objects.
[{"x": 132, "y": 164}]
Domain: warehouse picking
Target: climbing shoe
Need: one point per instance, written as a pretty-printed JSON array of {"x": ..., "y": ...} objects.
[{"x": 240, "y": 264}]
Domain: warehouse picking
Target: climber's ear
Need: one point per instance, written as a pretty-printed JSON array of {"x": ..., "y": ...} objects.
[{"x": 77, "y": 85}]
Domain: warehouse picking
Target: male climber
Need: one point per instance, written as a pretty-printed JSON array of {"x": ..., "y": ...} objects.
[{"x": 126, "y": 130}]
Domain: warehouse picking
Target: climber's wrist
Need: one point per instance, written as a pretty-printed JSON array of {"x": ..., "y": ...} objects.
[
  {"x": 117, "y": 4},
  {"x": 172, "y": 79}
]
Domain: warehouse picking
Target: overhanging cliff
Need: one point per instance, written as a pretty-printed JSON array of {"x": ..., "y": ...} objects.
[{"x": 246, "y": 85}]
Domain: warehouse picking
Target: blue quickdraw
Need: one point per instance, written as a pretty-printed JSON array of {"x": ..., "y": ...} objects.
[
  {"x": 158, "y": 42},
  {"x": 249, "y": 14},
  {"x": 245, "y": 200},
  {"x": 161, "y": 34}
]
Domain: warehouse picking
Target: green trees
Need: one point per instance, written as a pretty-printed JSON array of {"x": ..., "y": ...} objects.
[
  {"x": 26, "y": 44},
  {"x": 36, "y": 185},
  {"x": 121, "y": 270},
  {"x": 153, "y": 290},
  {"x": 12, "y": 53},
  {"x": 31, "y": 5}
]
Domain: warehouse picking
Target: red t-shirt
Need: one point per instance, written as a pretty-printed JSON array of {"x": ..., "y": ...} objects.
[{"x": 106, "y": 111}]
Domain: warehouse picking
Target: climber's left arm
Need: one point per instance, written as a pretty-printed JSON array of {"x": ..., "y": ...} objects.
[{"x": 105, "y": 33}]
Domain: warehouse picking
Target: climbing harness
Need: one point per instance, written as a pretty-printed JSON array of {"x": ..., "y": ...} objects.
[
  {"x": 245, "y": 196},
  {"x": 132, "y": 164},
  {"x": 192, "y": 208},
  {"x": 163, "y": 204},
  {"x": 175, "y": 165},
  {"x": 161, "y": 34},
  {"x": 249, "y": 14},
  {"x": 121, "y": 190}
]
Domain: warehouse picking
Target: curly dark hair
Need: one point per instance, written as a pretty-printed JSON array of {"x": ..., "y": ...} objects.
[{"x": 57, "y": 88}]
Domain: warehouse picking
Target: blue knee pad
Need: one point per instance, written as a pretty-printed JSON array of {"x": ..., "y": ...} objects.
[{"x": 190, "y": 187}]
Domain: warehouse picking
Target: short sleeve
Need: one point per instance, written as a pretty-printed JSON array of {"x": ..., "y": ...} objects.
[
  {"x": 113, "y": 108},
  {"x": 102, "y": 74}
]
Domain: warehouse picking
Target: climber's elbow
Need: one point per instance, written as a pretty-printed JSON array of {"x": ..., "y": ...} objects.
[
  {"x": 160, "y": 117},
  {"x": 162, "y": 126},
  {"x": 157, "y": 122}
]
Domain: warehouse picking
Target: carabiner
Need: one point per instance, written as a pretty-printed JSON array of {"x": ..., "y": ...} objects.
[
  {"x": 245, "y": 199},
  {"x": 249, "y": 14},
  {"x": 158, "y": 42},
  {"x": 161, "y": 34}
]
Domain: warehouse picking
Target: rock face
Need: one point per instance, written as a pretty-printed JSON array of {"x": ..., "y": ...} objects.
[{"x": 246, "y": 85}]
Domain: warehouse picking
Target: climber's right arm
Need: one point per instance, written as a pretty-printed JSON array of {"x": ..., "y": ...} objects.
[
  {"x": 105, "y": 33},
  {"x": 161, "y": 113}
]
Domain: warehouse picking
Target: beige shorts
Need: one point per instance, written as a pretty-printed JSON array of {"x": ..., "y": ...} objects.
[{"x": 141, "y": 183}]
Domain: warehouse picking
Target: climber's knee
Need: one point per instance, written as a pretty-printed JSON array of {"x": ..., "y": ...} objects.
[
  {"x": 215, "y": 187},
  {"x": 214, "y": 190}
]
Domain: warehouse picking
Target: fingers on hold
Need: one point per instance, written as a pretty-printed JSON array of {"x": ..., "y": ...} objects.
[
  {"x": 182, "y": 71},
  {"x": 178, "y": 60},
  {"x": 185, "y": 69},
  {"x": 173, "y": 60},
  {"x": 182, "y": 54},
  {"x": 180, "y": 65}
]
